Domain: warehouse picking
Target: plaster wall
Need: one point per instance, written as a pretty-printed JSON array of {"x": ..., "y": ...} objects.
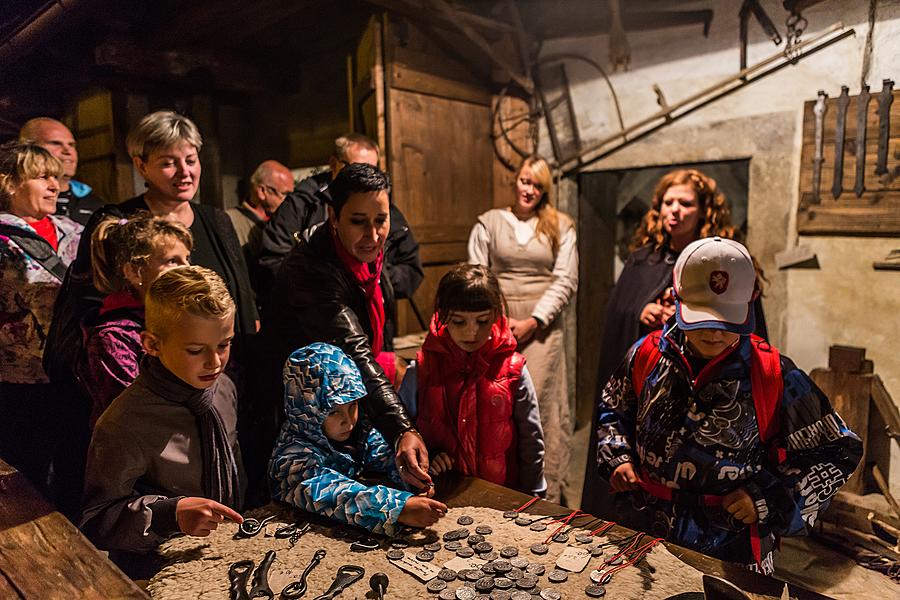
[{"x": 845, "y": 301}]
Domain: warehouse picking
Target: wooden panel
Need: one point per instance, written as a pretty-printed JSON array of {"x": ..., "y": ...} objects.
[
  {"x": 877, "y": 211},
  {"x": 417, "y": 81},
  {"x": 511, "y": 113},
  {"x": 443, "y": 253},
  {"x": 42, "y": 555}
]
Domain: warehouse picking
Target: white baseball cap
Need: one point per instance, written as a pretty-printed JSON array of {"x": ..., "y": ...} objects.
[{"x": 715, "y": 283}]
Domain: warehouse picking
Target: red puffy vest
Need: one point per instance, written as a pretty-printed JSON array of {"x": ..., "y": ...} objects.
[{"x": 466, "y": 402}]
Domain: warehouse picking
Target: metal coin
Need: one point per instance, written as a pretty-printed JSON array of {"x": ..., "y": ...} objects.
[
  {"x": 465, "y": 593},
  {"x": 538, "y": 527},
  {"x": 617, "y": 561},
  {"x": 447, "y": 574},
  {"x": 462, "y": 533},
  {"x": 527, "y": 582},
  {"x": 488, "y": 568},
  {"x": 425, "y": 556},
  {"x": 519, "y": 562},
  {"x": 465, "y": 553},
  {"x": 557, "y": 576},
  {"x": 597, "y": 551},
  {"x": 583, "y": 538},
  {"x": 515, "y": 574},
  {"x": 395, "y": 554},
  {"x": 523, "y": 521},
  {"x": 510, "y": 514},
  {"x": 509, "y": 551},
  {"x": 465, "y": 520},
  {"x": 504, "y": 583},
  {"x": 482, "y": 597},
  {"x": 500, "y": 595},
  {"x": 520, "y": 595},
  {"x": 436, "y": 585},
  {"x": 453, "y": 545},
  {"x": 502, "y": 566},
  {"x": 475, "y": 539},
  {"x": 433, "y": 547},
  {"x": 540, "y": 549},
  {"x": 447, "y": 594},
  {"x": 536, "y": 569},
  {"x": 561, "y": 538},
  {"x": 399, "y": 544},
  {"x": 595, "y": 591},
  {"x": 449, "y": 536},
  {"x": 483, "y": 546},
  {"x": 488, "y": 555},
  {"x": 485, "y": 584},
  {"x": 474, "y": 574},
  {"x": 550, "y": 594},
  {"x": 596, "y": 576},
  {"x": 483, "y": 530}
]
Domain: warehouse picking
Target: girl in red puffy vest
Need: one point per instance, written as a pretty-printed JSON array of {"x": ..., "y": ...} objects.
[{"x": 469, "y": 391}]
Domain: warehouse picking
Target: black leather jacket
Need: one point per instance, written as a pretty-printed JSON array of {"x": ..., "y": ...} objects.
[{"x": 315, "y": 299}]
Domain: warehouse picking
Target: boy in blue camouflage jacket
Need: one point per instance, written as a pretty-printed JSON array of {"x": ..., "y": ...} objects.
[
  {"x": 323, "y": 447},
  {"x": 711, "y": 439}
]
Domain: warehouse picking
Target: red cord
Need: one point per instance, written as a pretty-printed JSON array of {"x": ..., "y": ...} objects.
[
  {"x": 636, "y": 556},
  {"x": 564, "y": 522},
  {"x": 603, "y": 528},
  {"x": 527, "y": 504}
]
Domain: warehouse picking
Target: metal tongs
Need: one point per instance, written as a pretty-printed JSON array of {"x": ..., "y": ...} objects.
[
  {"x": 297, "y": 589},
  {"x": 346, "y": 576}
]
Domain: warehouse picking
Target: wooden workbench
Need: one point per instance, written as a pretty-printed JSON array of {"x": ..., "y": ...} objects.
[{"x": 457, "y": 491}]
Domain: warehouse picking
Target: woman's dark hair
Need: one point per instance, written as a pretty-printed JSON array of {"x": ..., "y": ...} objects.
[
  {"x": 356, "y": 178},
  {"x": 468, "y": 288}
]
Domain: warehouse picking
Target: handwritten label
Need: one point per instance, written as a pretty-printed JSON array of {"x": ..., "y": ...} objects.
[
  {"x": 420, "y": 570},
  {"x": 573, "y": 559},
  {"x": 460, "y": 564}
]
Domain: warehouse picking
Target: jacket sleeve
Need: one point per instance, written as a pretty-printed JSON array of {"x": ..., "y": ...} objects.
[
  {"x": 404, "y": 268},
  {"x": 821, "y": 454},
  {"x": 301, "y": 478},
  {"x": 565, "y": 280},
  {"x": 616, "y": 417},
  {"x": 479, "y": 245},
  {"x": 318, "y": 302},
  {"x": 116, "y": 516},
  {"x": 530, "y": 436},
  {"x": 380, "y": 458}
]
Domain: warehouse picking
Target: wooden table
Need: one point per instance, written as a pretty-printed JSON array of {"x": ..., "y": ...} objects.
[
  {"x": 42, "y": 555},
  {"x": 457, "y": 491}
]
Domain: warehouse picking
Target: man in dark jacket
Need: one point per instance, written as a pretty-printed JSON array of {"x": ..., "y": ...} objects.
[
  {"x": 305, "y": 209},
  {"x": 76, "y": 200}
]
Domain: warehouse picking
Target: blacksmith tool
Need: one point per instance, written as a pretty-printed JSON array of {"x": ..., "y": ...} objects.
[
  {"x": 260, "y": 587},
  {"x": 365, "y": 544},
  {"x": 837, "y": 182},
  {"x": 238, "y": 576},
  {"x": 862, "y": 118},
  {"x": 346, "y": 576},
  {"x": 292, "y": 532},
  {"x": 819, "y": 158},
  {"x": 297, "y": 589},
  {"x": 251, "y": 527},
  {"x": 885, "y": 99},
  {"x": 379, "y": 584}
]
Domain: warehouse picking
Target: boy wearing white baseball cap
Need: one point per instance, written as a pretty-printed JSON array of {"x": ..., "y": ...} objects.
[{"x": 711, "y": 438}]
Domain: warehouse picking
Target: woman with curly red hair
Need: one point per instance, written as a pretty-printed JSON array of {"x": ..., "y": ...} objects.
[{"x": 687, "y": 205}]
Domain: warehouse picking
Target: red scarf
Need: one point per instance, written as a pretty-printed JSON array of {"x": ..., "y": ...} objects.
[
  {"x": 367, "y": 276},
  {"x": 47, "y": 230},
  {"x": 121, "y": 299}
]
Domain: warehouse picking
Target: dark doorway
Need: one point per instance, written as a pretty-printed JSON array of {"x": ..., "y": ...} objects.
[{"x": 611, "y": 205}]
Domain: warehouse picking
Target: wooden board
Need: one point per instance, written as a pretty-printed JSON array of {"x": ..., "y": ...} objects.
[
  {"x": 877, "y": 211},
  {"x": 42, "y": 555}
]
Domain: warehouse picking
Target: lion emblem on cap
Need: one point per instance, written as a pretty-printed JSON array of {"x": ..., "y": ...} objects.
[{"x": 718, "y": 281}]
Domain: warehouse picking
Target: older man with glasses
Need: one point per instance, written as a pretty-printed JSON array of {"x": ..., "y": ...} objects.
[{"x": 269, "y": 186}]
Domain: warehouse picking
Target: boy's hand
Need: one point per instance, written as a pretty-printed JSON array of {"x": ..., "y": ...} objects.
[
  {"x": 422, "y": 512},
  {"x": 412, "y": 461},
  {"x": 741, "y": 506},
  {"x": 441, "y": 463},
  {"x": 200, "y": 516},
  {"x": 655, "y": 314},
  {"x": 624, "y": 478}
]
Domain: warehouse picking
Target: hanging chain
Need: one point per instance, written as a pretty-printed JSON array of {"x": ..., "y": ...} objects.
[{"x": 796, "y": 25}]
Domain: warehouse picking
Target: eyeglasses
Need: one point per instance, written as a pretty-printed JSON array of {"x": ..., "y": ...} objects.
[{"x": 276, "y": 193}]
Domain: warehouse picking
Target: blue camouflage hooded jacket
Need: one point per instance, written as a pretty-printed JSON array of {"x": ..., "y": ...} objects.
[
  {"x": 704, "y": 439},
  {"x": 308, "y": 470}
]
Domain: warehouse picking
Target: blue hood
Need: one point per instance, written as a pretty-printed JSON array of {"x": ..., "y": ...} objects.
[{"x": 79, "y": 190}]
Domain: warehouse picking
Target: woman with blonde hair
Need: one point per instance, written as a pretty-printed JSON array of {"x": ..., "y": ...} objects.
[
  {"x": 36, "y": 246},
  {"x": 687, "y": 205},
  {"x": 532, "y": 249}
]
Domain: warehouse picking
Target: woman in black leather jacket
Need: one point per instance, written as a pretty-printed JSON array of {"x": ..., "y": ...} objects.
[{"x": 332, "y": 289}]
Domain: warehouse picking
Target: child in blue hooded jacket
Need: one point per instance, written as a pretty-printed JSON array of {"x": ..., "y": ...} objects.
[{"x": 323, "y": 447}]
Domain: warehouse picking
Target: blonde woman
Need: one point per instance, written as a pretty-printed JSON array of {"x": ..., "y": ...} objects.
[{"x": 532, "y": 249}]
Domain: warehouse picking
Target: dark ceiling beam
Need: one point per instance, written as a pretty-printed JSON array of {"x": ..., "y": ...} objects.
[
  {"x": 416, "y": 11},
  {"x": 39, "y": 29}
]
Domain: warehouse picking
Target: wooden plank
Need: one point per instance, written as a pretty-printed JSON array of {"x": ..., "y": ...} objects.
[
  {"x": 512, "y": 110},
  {"x": 428, "y": 233},
  {"x": 443, "y": 253},
  {"x": 43, "y": 555},
  {"x": 848, "y": 359},
  {"x": 886, "y": 406},
  {"x": 426, "y": 83}
]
